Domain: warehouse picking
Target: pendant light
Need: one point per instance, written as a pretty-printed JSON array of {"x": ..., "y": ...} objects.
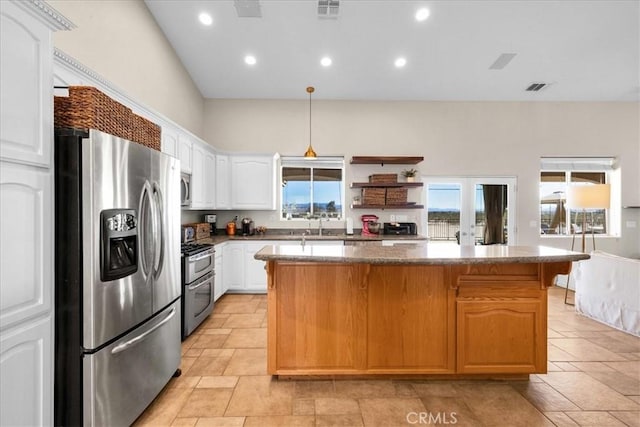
[{"x": 310, "y": 154}]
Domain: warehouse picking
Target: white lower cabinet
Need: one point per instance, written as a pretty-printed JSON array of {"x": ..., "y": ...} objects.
[
  {"x": 26, "y": 369},
  {"x": 245, "y": 274},
  {"x": 219, "y": 288}
]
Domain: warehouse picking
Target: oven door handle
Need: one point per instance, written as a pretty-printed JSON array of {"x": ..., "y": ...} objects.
[
  {"x": 204, "y": 282},
  {"x": 125, "y": 345}
]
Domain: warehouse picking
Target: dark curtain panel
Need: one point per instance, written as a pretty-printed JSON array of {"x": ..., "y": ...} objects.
[{"x": 495, "y": 203}]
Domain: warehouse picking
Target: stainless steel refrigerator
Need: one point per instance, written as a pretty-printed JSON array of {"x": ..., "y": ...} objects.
[{"x": 117, "y": 291}]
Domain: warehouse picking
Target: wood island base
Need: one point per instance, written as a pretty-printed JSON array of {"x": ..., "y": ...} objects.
[{"x": 454, "y": 321}]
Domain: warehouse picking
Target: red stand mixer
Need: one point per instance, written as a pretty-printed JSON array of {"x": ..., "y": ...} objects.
[{"x": 370, "y": 225}]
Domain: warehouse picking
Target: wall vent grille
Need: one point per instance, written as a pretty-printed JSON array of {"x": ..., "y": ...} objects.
[{"x": 536, "y": 87}]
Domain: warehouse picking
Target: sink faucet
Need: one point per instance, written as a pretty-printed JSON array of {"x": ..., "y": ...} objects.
[{"x": 303, "y": 241}]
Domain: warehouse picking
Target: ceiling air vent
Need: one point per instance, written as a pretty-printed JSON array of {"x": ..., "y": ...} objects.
[
  {"x": 328, "y": 8},
  {"x": 248, "y": 8},
  {"x": 536, "y": 87}
]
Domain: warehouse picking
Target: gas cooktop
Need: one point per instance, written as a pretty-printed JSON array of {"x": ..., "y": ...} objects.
[{"x": 189, "y": 249}]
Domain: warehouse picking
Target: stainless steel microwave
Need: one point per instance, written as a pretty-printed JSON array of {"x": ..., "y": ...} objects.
[{"x": 185, "y": 189}]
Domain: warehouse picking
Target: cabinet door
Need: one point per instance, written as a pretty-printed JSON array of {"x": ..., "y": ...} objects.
[
  {"x": 255, "y": 273},
  {"x": 232, "y": 264},
  {"x": 501, "y": 336},
  {"x": 169, "y": 141},
  {"x": 26, "y": 369},
  {"x": 210, "y": 179},
  {"x": 26, "y": 104},
  {"x": 223, "y": 182},
  {"x": 26, "y": 227},
  {"x": 198, "y": 172},
  {"x": 253, "y": 182},
  {"x": 184, "y": 153}
]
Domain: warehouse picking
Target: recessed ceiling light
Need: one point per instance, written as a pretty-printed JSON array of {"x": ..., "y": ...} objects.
[
  {"x": 205, "y": 18},
  {"x": 400, "y": 62},
  {"x": 250, "y": 60},
  {"x": 326, "y": 61},
  {"x": 422, "y": 14}
]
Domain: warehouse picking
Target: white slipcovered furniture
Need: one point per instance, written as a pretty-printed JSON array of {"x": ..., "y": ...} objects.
[{"x": 608, "y": 290}]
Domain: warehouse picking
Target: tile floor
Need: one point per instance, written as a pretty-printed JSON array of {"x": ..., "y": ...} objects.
[{"x": 593, "y": 380}]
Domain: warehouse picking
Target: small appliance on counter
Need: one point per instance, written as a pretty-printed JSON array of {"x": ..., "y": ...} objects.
[
  {"x": 212, "y": 220},
  {"x": 248, "y": 228},
  {"x": 400, "y": 228},
  {"x": 370, "y": 225},
  {"x": 231, "y": 228},
  {"x": 349, "y": 227}
]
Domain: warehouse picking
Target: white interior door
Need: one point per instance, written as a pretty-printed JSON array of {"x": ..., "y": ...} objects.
[{"x": 470, "y": 210}]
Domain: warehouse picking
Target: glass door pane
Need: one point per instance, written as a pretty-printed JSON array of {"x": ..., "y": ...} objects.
[{"x": 444, "y": 201}]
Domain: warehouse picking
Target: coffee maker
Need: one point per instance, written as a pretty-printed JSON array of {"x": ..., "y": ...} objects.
[
  {"x": 370, "y": 225},
  {"x": 211, "y": 219},
  {"x": 247, "y": 227}
]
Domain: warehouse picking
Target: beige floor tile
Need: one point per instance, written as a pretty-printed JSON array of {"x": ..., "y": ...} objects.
[
  {"x": 336, "y": 406},
  {"x": 588, "y": 393},
  {"x": 247, "y": 361},
  {"x": 220, "y": 422},
  {"x": 184, "y": 381},
  {"x": 544, "y": 397},
  {"x": 281, "y": 421},
  {"x": 584, "y": 350},
  {"x": 617, "y": 345},
  {"x": 630, "y": 418},
  {"x": 227, "y": 298},
  {"x": 630, "y": 368},
  {"x": 193, "y": 352},
  {"x": 497, "y": 404},
  {"x": 206, "y": 402},
  {"x": 552, "y": 367},
  {"x": 164, "y": 408},
  {"x": 593, "y": 366},
  {"x": 247, "y": 338},
  {"x": 214, "y": 321},
  {"x": 312, "y": 389},
  {"x": 216, "y": 331},
  {"x": 260, "y": 396},
  {"x": 304, "y": 407},
  {"x": 346, "y": 420},
  {"x": 248, "y": 307},
  {"x": 566, "y": 366},
  {"x": 595, "y": 418},
  {"x": 209, "y": 341},
  {"x": 184, "y": 422},
  {"x": 217, "y": 352},
  {"x": 435, "y": 388},
  {"x": 635, "y": 398},
  {"x": 555, "y": 354},
  {"x": 218, "y": 382},
  {"x": 208, "y": 366},
  {"x": 618, "y": 381},
  {"x": 560, "y": 419},
  {"x": 364, "y": 388},
  {"x": 244, "y": 320},
  {"x": 450, "y": 410},
  {"x": 389, "y": 411},
  {"x": 404, "y": 388},
  {"x": 186, "y": 363}
]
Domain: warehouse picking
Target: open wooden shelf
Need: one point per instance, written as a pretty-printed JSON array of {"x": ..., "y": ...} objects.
[
  {"x": 390, "y": 160},
  {"x": 406, "y": 206},
  {"x": 386, "y": 184}
]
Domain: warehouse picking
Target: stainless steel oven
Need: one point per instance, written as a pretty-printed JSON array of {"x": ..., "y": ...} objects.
[{"x": 198, "y": 281}]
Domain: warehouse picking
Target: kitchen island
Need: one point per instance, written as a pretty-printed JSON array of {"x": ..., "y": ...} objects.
[{"x": 409, "y": 309}]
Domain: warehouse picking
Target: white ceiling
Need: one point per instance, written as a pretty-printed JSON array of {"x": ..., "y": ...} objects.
[{"x": 586, "y": 50}]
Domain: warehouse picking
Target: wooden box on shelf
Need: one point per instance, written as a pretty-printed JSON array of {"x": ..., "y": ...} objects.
[
  {"x": 396, "y": 196},
  {"x": 373, "y": 196},
  {"x": 383, "y": 178}
]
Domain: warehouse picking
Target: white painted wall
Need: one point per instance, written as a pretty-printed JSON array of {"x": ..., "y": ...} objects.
[
  {"x": 121, "y": 41},
  {"x": 456, "y": 138}
]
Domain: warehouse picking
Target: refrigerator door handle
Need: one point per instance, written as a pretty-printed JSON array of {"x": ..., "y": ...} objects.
[
  {"x": 146, "y": 203},
  {"x": 125, "y": 345},
  {"x": 159, "y": 234}
]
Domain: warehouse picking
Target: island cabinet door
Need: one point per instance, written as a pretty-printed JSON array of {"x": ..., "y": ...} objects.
[
  {"x": 317, "y": 320},
  {"x": 410, "y": 320},
  {"x": 501, "y": 336}
]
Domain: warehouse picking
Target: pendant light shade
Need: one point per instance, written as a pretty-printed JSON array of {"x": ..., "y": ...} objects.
[{"x": 310, "y": 154}]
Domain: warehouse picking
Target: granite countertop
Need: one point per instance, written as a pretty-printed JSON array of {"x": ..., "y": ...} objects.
[
  {"x": 417, "y": 253},
  {"x": 330, "y": 235}
]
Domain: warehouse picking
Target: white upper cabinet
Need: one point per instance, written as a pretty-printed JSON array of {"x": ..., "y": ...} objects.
[
  {"x": 253, "y": 182},
  {"x": 169, "y": 141},
  {"x": 223, "y": 182},
  {"x": 26, "y": 79},
  {"x": 203, "y": 175},
  {"x": 185, "y": 146}
]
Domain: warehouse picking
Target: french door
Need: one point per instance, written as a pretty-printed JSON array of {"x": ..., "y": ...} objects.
[{"x": 470, "y": 210}]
